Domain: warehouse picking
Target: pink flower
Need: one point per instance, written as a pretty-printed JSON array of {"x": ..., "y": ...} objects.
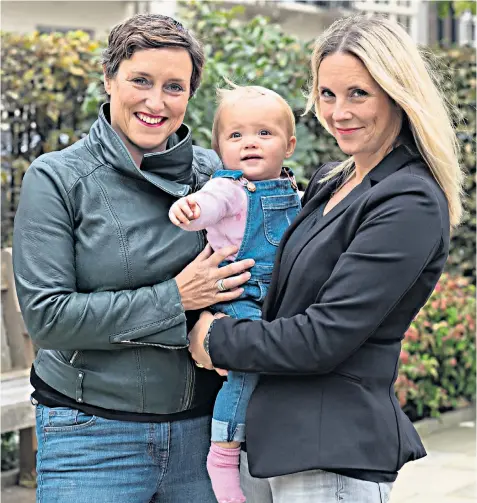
[{"x": 404, "y": 356}]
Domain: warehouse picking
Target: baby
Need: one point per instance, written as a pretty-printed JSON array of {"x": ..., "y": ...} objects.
[{"x": 249, "y": 204}]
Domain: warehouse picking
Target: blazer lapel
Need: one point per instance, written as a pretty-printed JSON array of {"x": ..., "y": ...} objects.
[
  {"x": 398, "y": 158},
  {"x": 324, "y": 221}
]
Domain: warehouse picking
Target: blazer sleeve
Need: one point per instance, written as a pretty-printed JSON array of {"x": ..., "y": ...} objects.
[
  {"x": 56, "y": 315},
  {"x": 399, "y": 234}
]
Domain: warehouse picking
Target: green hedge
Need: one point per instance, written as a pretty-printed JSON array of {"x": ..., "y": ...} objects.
[
  {"x": 59, "y": 76},
  {"x": 437, "y": 367},
  {"x": 55, "y": 82},
  {"x": 457, "y": 69}
]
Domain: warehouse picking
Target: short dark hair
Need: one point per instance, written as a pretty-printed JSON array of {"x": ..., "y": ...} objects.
[{"x": 151, "y": 31}]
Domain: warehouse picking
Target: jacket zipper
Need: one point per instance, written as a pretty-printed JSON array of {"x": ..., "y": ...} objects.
[
  {"x": 190, "y": 385},
  {"x": 190, "y": 369},
  {"x": 74, "y": 357}
]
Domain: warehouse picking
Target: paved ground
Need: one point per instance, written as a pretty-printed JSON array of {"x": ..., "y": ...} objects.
[{"x": 446, "y": 475}]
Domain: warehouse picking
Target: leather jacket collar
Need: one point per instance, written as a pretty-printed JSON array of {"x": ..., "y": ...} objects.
[{"x": 170, "y": 170}]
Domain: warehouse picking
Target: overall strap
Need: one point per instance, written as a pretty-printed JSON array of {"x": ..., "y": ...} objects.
[{"x": 228, "y": 173}]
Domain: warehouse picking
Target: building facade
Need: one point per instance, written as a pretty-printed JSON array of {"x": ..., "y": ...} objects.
[{"x": 303, "y": 18}]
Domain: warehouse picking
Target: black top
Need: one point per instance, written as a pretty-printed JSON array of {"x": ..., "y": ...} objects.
[{"x": 48, "y": 396}]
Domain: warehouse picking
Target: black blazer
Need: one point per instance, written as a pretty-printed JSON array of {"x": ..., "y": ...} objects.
[{"x": 329, "y": 343}]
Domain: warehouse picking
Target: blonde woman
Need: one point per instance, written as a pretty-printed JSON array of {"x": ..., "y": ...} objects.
[{"x": 354, "y": 268}]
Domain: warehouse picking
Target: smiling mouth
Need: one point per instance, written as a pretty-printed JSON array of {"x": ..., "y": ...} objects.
[
  {"x": 149, "y": 120},
  {"x": 348, "y": 130}
]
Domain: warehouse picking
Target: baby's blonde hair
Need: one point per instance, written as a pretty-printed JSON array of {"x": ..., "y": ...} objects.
[
  {"x": 226, "y": 97},
  {"x": 394, "y": 62}
]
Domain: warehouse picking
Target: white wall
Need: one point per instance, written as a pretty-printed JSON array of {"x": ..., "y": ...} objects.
[
  {"x": 305, "y": 21},
  {"x": 98, "y": 16}
]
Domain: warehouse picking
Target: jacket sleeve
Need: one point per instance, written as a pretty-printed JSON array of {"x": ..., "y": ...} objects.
[
  {"x": 399, "y": 234},
  {"x": 56, "y": 315},
  {"x": 219, "y": 198},
  {"x": 205, "y": 163}
]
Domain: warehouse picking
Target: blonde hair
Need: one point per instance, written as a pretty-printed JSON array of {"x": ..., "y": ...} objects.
[
  {"x": 394, "y": 62},
  {"x": 227, "y": 97}
]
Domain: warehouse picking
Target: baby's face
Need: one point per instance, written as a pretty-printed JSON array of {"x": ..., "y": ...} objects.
[{"x": 254, "y": 137}]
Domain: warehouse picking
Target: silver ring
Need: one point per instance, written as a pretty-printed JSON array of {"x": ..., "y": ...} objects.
[
  {"x": 221, "y": 286},
  {"x": 199, "y": 365}
]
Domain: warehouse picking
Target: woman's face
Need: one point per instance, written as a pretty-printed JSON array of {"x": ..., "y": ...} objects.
[
  {"x": 148, "y": 98},
  {"x": 358, "y": 113}
]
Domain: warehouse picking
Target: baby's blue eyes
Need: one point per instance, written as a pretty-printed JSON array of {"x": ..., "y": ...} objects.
[{"x": 262, "y": 132}]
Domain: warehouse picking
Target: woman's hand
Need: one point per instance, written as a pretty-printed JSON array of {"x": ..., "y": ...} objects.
[
  {"x": 196, "y": 341},
  {"x": 200, "y": 283}
]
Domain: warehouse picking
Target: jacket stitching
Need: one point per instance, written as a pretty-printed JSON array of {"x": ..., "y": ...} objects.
[
  {"x": 153, "y": 344},
  {"x": 78, "y": 158},
  {"x": 139, "y": 379},
  {"x": 124, "y": 332},
  {"x": 122, "y": 241},
  {"x": 82, "y": 176}
]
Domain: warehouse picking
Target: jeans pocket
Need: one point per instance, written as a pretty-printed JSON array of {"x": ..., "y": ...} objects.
[
  {"x": 66, "y": 419},
  {"x": 278, "y": 213}
]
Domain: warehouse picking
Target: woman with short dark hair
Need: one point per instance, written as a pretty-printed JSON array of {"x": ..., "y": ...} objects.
[{"x": 108, "y": 286}]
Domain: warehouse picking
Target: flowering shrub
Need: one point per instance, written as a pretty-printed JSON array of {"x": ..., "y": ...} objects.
[{"x": 437, "y": 365}]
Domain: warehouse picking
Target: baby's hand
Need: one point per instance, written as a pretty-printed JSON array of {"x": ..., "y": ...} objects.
[{"x": 184, "y": 210}]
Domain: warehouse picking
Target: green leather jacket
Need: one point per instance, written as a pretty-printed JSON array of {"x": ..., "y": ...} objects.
[{"x": 94, "y": 259}]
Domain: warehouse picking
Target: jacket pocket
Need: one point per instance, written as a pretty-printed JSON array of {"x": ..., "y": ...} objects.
[
  {"x": 278, "y": 212},
  {"x": 348, "y": 377}
]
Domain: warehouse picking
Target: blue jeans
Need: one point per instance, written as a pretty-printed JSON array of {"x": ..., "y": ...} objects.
[
  {"x": 228, "y": 421},
  {"x": 88, "y": 459}
]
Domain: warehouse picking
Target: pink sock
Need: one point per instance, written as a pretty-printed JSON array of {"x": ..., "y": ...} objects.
[{"x": 223, "y": 468}]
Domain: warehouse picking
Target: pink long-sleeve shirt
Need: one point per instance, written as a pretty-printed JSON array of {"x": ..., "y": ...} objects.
[{"x": 223, "y": 212}]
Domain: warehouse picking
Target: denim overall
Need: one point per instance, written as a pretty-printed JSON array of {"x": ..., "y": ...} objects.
[{"x": 272, "y": 206}]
